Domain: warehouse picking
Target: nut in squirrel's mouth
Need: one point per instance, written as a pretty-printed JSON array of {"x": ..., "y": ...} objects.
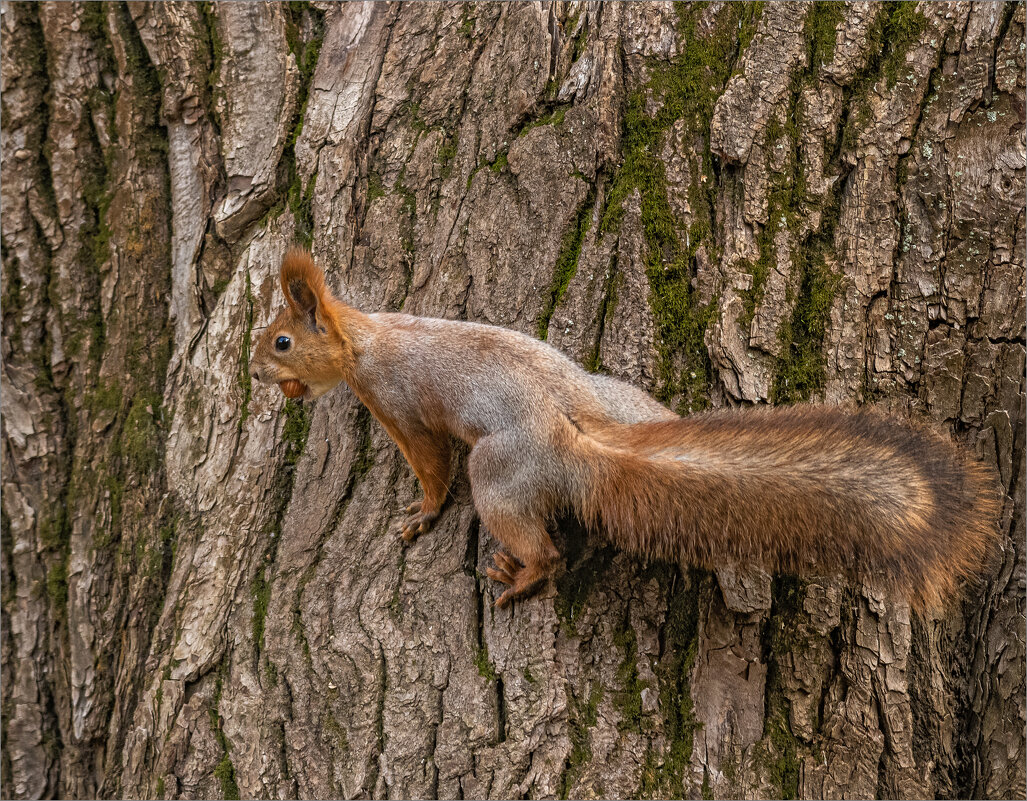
[{"x": 292, "y": 388}]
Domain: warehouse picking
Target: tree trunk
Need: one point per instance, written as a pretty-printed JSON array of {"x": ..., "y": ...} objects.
[{"x": 204, "y": 592}]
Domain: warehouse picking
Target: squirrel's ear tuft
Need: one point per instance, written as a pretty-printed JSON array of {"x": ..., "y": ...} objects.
[{"x": 304, "y": 286}]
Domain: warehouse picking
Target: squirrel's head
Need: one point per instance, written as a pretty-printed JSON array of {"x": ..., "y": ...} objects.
[{"x": 308, "y": 348}]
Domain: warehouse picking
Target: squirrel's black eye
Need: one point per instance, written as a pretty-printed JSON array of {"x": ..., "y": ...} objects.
[{"x": 282, "y": 343}]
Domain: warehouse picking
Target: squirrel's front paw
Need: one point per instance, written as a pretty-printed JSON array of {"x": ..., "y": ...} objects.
[{"x": 420, "y": 520}]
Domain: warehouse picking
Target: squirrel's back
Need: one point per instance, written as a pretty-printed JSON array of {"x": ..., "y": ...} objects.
[{"x": 496, "y": 374}]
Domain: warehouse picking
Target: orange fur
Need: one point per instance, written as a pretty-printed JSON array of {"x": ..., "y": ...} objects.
[
  {"x": 320, "y": 328},
  {"x": 796, "y": 488}
]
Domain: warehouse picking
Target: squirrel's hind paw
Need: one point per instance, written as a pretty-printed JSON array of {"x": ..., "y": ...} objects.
[
  {"x": 523, "y": 581},
  {"x": 505, "y": 571}
]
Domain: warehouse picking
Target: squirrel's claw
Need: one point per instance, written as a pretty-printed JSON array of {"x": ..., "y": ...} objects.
[
  {"x": 499, "y": 575},
  {"x": 505, "y": 571},
  {"x": 507, "y": 564},
  {"x": 419, "y": 521},
  {"x": 522, "y": 581}
]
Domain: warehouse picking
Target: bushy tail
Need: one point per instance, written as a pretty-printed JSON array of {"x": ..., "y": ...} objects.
[{"x": 796, "y": 489}]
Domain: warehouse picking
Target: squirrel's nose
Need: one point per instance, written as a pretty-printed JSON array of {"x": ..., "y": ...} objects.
[{"x": 254, "y": 374}]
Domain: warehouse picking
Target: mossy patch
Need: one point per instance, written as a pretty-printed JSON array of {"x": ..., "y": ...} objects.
[
  {"x": 902, "y": 29},
  {"x": 500, "y": 163},
  {"x": 57, "y": 586},
  {"x": 786, "y": 197},
  {"x": 216, "y": 54},
  {"x": 685, "y": 91},
  {"x": 408, "y": 209},
  {"x": 87, "y": 334},
  {"x": 566, "y": 262},
  {"x": 375, "y": 188},
  {"x": 140, "y": 435},
  {"x": 579, "y": 42},
  {"x": 300, "y": 17},
  {"x": 822, "y": 31},
  {"x": 779, "y": 750},
  {"x": 628, "y": 699},
  {"x": 295, "y": 431},
  {"x": 120, "y": 354},
  {"x": 582, "y": 718},
  {"x": 224, "y": 772},
  {"x": 467, "y": 20},
  {"x": 674, "y": 673},
  {"x": 706, "y": 791},
  {"x": 338, "y": 740},
  {"x": 801, "y": 371},
  {"x": 151, "y": 142},
  {"x": 54, "y": 529},
  {"x": 594, "y": 361},
  {"x": 485, "y": 667},
  {"x": 271, "y": 673},
  {"x": 554, "y": 116},
  {"x": 574, "y": 586},
  {"x": 301, "y": 204},
  {"x": 896, "y": 27},
  {"x": 447, "y": 152},
  {"x": 305, "y": 52}
]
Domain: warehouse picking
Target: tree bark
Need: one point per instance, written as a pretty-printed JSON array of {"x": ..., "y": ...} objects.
[{"x": 204, "y": 592}]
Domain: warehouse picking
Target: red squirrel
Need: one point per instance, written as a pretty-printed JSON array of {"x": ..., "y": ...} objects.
[{"x": 787, "y": 487}]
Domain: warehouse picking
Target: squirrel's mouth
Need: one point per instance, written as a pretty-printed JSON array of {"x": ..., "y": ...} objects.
[{"x": 292, "y": 388}]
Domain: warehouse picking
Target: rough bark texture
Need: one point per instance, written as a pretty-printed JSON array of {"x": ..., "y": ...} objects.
[{"x": 204, "y": 594}]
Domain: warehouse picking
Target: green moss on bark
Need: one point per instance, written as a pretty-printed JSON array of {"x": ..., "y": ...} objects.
[
  {"x": 902, "y": 29},
  {"x": 801, "y": 371},
  {"x": 628, "y": 698},
  {"x": 224, "y": 772},
  {"x": 895, "y": 29},
  {"x": 779, "y": 754},
  {"x": 485, "y": 667},
  {"x": 582, "y": 718},
  {"x": 685, "y": 92},
  {"x": 566, "y": 262},
  {"x": 680, "y": 635},
  {"x": 447, "y": 152},
  {"x": 57, "y": 585},
  {"x": 822, "y": 31},
  {"x": 301, "y": 18},
  {"x": 584, "y": 570},
  {"x": 216, "y": 53}
]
